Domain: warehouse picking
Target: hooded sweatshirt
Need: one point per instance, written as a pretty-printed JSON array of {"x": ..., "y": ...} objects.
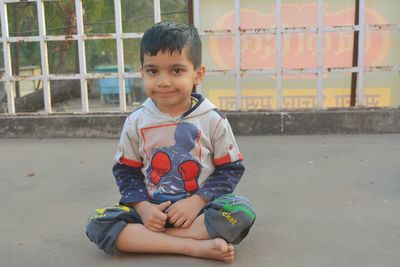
[{"x": 163, "y": 158}]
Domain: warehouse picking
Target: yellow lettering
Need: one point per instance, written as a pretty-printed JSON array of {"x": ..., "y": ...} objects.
[{"x": 228, "y": 217}]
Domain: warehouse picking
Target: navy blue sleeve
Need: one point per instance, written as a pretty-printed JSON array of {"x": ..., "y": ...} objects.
[
  {"x": 222, "y": 181},
  {"x": 130, "y": 182}
]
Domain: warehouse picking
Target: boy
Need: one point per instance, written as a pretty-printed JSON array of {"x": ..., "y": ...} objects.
[{"x": 177, "y": 162}]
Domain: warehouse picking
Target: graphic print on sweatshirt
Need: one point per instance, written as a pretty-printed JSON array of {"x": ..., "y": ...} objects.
[{"x": 173, "y": 171}]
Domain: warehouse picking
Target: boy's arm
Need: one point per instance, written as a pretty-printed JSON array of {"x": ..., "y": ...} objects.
[
  {"x": 222, "y": 181},
  {"x": 227, "y": 160},
  {"x": 130, "y": 182}
]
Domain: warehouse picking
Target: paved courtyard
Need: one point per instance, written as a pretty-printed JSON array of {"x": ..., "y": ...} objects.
[{"x": 320, "y": 200}]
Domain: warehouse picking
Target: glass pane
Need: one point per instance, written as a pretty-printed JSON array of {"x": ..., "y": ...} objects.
[
  {"x": 258, "y": 51},
  {"x": 339, "y": 12},
  {"x": 221, "y": 90},
  {"x": 60, "y": 17},
  {"x": 297, "y": 13},
  {"x": 22, "y": 19},
  {"x": 382, "y": 89},
  {"x": 63, "y": 57},
  {"x": 257, "y": 14},
  {"x": 258, "y": 92},
  {"x": 138, "y": 95},
  {"x": 24, "y": 55},
  {"x": 338, "y": 49},
  {"x": 101, "y": 53},
  {"x": 174, "y": 10},
  {"x": 1, "y": 58},
  {"x": 219, "y": 52},
  {"x": 299, "y": 91},
  {"x": 28, "y": 96},
  {"x": 337, "y": 90},
  {"x": 104, "y": 94},
  {"x": 66, "y": 96},
  {"x": 99, "y": 17},
  {"x": 3, "y": 98},
  {"x": 382, "y": 12},
  {"x": 137, "y": 16},
  {"x": 299, "y": 50},
  {"x": 217, "y": 15},
  {"x": 132, "y": 53},
  {"x": 381, "y": 48}
]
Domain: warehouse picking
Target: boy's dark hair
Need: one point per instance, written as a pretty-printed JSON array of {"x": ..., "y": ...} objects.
[{"x": 171, "y": 37}]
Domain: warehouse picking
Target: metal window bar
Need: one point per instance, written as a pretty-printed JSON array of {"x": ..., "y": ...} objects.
[
  {"x": 361, "y": 46},
  {"x": 196, "y": 23},
  {"x": 238, "y": 56},
  {"x": 278, "y": 56},
  {"x": 82, "y": 56},
  {"x": 120, "y": 55},
  {"x": 7, "y": 59},
  {"x": 43, "y": 56},
  {"x": 157, "y": 11},
  {"x": 119, "y": 36},
  {"x": 320, "y": 54}
]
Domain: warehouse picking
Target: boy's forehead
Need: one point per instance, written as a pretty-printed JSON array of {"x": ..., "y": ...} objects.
[{"x": 168, "y": 56}]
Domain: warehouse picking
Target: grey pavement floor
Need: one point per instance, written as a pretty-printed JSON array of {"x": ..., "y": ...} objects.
[{"x": 320, "y": 200}]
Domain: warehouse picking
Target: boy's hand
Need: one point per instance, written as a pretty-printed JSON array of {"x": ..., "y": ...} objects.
[
  {"x": 183, "y": 212},
  {"x": 152, "y": 215}
]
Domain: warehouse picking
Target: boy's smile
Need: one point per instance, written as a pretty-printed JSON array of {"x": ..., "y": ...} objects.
[{"x": 168, "y": 79}]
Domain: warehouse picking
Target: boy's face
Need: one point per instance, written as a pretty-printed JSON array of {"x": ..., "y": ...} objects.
[{"x": 168, "y": 79}]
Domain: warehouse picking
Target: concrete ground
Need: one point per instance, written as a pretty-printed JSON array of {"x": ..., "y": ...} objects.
[{"x": 320, "y": 201}]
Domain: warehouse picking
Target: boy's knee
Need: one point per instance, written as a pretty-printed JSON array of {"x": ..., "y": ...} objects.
[
  {"x": 104, "y": 226},
  {"x": 230, "y": 217}
]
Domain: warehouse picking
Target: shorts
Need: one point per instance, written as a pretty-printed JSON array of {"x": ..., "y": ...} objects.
[{"x": 229, "y": 217}]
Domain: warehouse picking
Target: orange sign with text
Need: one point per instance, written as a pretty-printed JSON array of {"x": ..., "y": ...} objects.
[{"x": 298, "y": 49}]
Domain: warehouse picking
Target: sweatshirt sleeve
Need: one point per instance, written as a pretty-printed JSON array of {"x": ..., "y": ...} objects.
[
  {"x": 127, "y": 167},
  {"x": 227, "y": 161},
  {"x": 222, "y": 181},
  {"x": 130, "y": 182}
]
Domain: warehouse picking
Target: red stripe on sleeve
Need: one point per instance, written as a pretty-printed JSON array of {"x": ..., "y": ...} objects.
[
  {"x": 131, "y": 163},
  {"x": 225, "y": 159}
]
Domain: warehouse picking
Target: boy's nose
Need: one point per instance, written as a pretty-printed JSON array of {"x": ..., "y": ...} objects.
[{"x": 163, "y": 81}]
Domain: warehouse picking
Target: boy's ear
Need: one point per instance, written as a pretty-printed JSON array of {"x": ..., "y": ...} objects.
[{"x": 200, "y": 72}]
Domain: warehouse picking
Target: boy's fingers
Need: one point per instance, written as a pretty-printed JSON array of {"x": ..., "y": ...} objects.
[
  {"x": 187, "y": 223},
  {"x": 179, "y": 222},
  {"x": 173, "y": 218},
  {"x": 164, "y": 205},
  {"x": 156, "y": 227}
]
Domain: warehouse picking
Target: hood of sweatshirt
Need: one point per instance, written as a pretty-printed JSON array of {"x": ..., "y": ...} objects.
[{"x": 202, "y": 106}]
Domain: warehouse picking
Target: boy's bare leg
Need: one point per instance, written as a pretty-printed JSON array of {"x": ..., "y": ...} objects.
[
  {"x": 196, "y": 230},
  {"x": 137, "y": 238}
]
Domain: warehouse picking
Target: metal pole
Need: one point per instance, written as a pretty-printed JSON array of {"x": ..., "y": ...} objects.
[
  {"x": 355, "y": 57},
  {"x": 43, "y": 56},
  {"x": 320, "y": 51},
  {"x": 361, "y": 48},
  {"x": 7, "y": 58},
  {"x": 82, "y": 56},
  {"x": 196, "y": 23},
  {"x": 157, "y": 11},
  {"x": 120, "y": 55},
  {"x": 238, "y": 57},
  {"x": 278, "y": 53}
]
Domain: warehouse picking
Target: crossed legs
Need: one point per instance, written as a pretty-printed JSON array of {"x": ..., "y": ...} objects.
[{"x": 192, "y": 241}]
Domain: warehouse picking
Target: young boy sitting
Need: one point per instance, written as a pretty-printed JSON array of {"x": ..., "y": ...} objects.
[{"x": 177, "y": 162}]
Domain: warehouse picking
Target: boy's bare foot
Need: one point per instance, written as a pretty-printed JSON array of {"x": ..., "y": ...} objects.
[{"x": 217, "y": 249}]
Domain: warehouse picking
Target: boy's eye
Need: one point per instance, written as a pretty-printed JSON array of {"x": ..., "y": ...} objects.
[
  {"x": 151, "y": 71},
  {"x": 177, "y": 71}
]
